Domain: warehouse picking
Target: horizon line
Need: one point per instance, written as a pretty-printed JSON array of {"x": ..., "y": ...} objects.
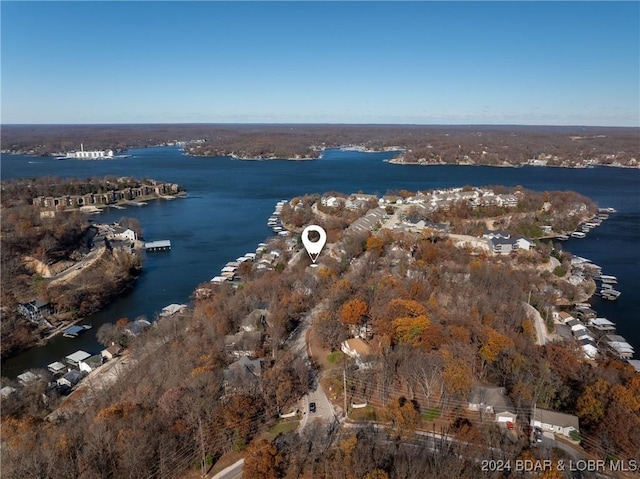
[{"x": 520, "y": 125}]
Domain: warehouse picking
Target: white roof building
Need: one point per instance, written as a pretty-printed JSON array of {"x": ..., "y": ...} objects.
[{"x": 75, "y": 358}]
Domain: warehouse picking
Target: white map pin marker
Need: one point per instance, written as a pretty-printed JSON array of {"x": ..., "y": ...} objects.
[{"x": 314, "y": 247}]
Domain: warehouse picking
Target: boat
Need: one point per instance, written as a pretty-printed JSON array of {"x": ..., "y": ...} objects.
[
  {"x": 607, "y": 210},
  {"x": 562, "y": 237},
  {"x": 87, "y": 326},
  {"x": 578, "y": 234}
]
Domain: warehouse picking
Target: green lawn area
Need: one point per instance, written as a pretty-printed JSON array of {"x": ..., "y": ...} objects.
[
  {"x": 335, "y": 356},
  {"x": 363, "y": 414},
  {"x": 431, "y": 414}
]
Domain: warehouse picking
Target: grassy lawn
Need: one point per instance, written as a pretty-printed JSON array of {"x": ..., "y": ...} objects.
[
  {"x": 335, "y": 356},
  {"x": 431, "y": 414},
  {"x": 363, "y": 414}
]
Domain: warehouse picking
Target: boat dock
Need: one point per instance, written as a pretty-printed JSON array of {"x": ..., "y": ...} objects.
[{"x": 160, "y": 245}]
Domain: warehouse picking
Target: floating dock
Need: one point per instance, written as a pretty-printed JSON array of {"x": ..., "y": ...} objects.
[{"x": 160, "y": 245}]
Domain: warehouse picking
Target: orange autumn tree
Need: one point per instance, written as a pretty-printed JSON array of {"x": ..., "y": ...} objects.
[
  {"x": 410, "y": 322},
  {"x": 354, "y": 311}
]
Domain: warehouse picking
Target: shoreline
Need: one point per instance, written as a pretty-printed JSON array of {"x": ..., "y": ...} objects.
[{"x": 396, "y": 161}]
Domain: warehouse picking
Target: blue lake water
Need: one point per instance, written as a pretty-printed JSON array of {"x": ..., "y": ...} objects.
[{"x": 228, "y": 202}]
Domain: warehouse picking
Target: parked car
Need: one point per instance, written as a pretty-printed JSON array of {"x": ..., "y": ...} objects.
[
  {"x": 538, "y": 433},
  {"x": 312, "y": 407},
  {"x": 509, "y": 425}
]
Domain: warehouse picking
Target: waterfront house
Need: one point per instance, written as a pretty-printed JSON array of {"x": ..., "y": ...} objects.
[
  {"x": 35, "y": 311},
  {"x": 57, "y": 368},
  {"x": 71, "y": 378},
  {"x": 588, "y": 347},
  {"x": 492, "y": 400},
  {"x": 75, "y": 358},
  {"x": 576, "y": 326},
  {"x": 172, "y": 309},
  {"x": 555, "y": 421},
  {"x": 137, "y": 327},
  {"x": 91, "y": 363},
  {"x": 124, "y": 234},
  {"x": 111, "y": 352}
]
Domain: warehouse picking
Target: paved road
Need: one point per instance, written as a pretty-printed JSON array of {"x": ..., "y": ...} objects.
[
  {"x": 541, "y": 328},
  {"x": 324, "y": 409},
  {"x": 234, "y": 471}
]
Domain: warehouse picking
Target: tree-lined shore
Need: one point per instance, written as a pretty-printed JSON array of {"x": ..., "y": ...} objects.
[{"x": 494, "y": 145}]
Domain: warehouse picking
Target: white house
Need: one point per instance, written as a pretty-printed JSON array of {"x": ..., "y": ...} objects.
[
  {"x": 125, "y": 234},
  {"x": 492, "y": 400},
  {"x": 357, "y": 349},
  {"x": 524, "y": 244},
  {"x": 555, "y": 421},
  {"x": 91, "y": 363},
  {"x": 588, "y": 347}
]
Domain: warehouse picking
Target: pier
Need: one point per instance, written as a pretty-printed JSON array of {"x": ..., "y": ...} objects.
[{"x": 160, "y": 245}]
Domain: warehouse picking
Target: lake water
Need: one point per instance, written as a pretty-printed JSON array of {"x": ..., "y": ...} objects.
[{"x": 228, "y": 202}]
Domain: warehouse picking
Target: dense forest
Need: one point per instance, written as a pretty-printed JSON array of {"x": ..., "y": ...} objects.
[
  {"x": 487, "y": 145},
  {"x": 439, "y": 319}
]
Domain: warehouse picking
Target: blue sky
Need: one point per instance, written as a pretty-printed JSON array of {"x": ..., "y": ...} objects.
[{"x": 542, "y": 63}]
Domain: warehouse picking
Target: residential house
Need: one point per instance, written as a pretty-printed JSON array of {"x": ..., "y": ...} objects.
[
  {"x": 244, "y": 343},
  {"x": 357, "y": 349},
  {"x": 255, "y": 320},
  {"x": 57, "y": 368},
  {"x": 75, "y": 358},
  {"x": 172, "y": 309},
  {"x": 492, "y": 400},
  {"x": 124, "y": 234},
  {"x": 491, "y": 234},
  {"x": 332, "y": 201},
  {"x": 555, "y": 421},
  {"x": 243, "y": 376},
  {"x": 576, "y": 326},
  {"x": 500, "y": 245},
  {"x": 588, "y": 347},
  {"x": 137, "y": 327},
  {"x": 35, "y": 311},
  {"x": 91, "y": 363},
  {"x": 71, "y": 378},
  {"x": 565, "y": 317},
  {"x": 111, "y": 352}
]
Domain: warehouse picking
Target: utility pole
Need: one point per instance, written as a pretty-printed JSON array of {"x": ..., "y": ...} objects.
[{"x": 344, "y": 380}]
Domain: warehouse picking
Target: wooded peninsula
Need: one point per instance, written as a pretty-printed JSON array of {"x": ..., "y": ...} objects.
[{"x": 416, "y": 347}]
